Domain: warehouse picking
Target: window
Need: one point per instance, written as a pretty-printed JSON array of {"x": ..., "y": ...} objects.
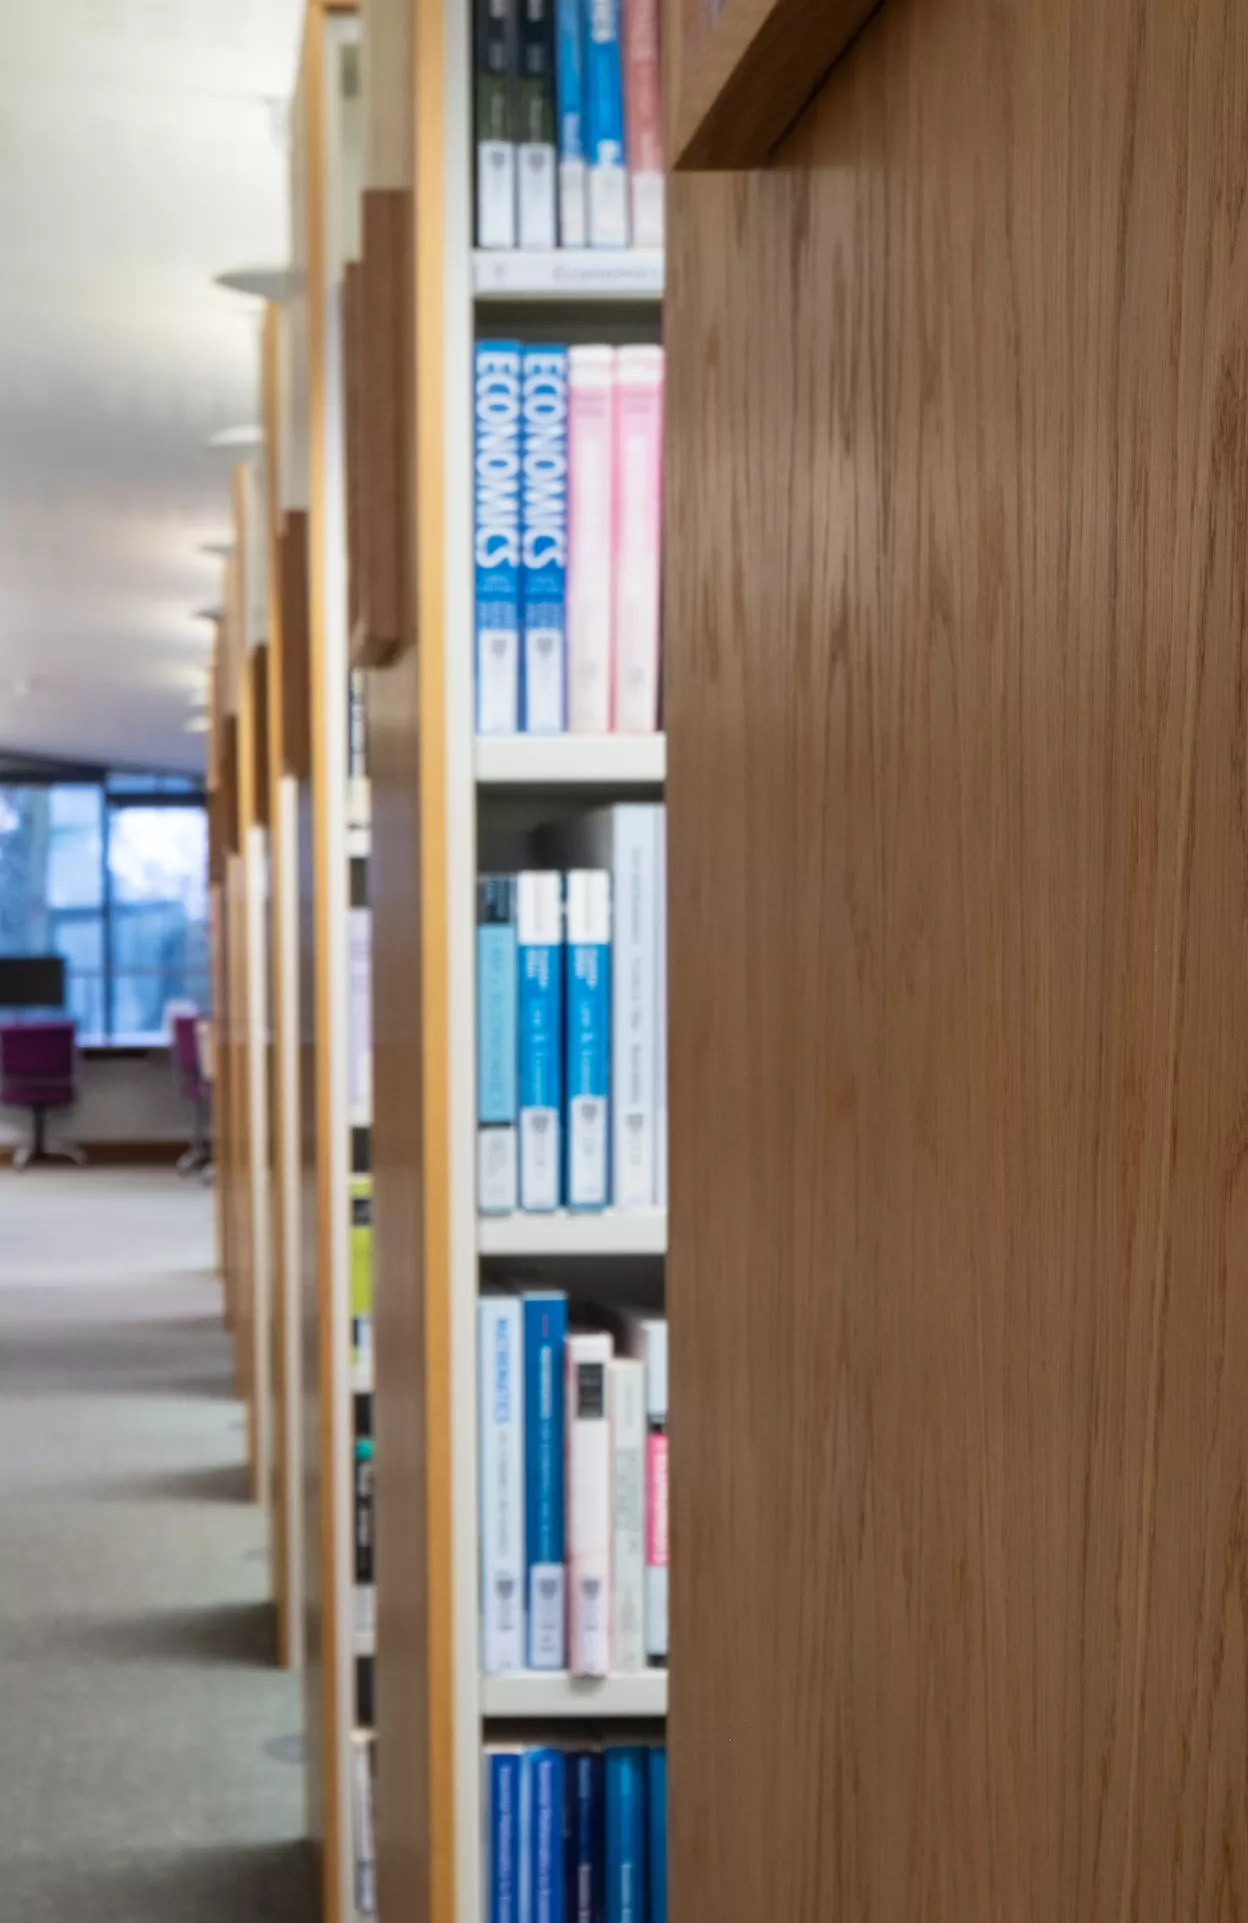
[{"x": 111, "y": 874}]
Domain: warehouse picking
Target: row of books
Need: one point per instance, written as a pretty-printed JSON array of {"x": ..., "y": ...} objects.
[
  {"x": 568, "y": 123},
  {"x": 573, "y": 1497},
  {"x": 568, "y": 511},
  {"x": 575, "y": 1835},
  {"x": 572, "y": 1024}
]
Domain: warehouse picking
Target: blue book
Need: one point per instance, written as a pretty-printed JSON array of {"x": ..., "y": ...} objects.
[
  {"x": 656, "y": 1854},
  {"x": 544, "y": 541},
  {"x": 496, "y": 536},
  {"x": 588, "y": 998},
  {"x": 569, "y": 108},
  {"x": 607, "y": 175},
  {"x": 545, "y": 1330},
  {"x": 626, "y": 1836},
  {"x": 544, "y": 1859},
  {"x": 497, "y": 1096},
  {"x": 586, "y": 1842},
  {"x": 503, "y": 1831},
  {"x": 539, "y": 927}
]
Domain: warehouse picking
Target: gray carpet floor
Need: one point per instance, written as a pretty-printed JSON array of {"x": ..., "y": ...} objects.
[{"x": 149, "y": 1751}]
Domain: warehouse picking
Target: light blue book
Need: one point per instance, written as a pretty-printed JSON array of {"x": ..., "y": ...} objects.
[
  {"x": 569, "y": 104},
  {"x": 626, "y": 1838},
  {"x": 545, "y": 1331},
  {"x": 607, "y": 169},
  {"x": 544, "y": 541},
  {"x": 588, "y": 999},
  {"x": 539, "y": 924},
  {"x": 496, "y": 535}
]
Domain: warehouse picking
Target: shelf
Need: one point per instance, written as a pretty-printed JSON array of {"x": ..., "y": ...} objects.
[
  {"x": 570, "y": 274},
  {"x": 571, "y": 761},
  {"x": 535, "y": 1694},
  {"x": 611, "y": 1232}
]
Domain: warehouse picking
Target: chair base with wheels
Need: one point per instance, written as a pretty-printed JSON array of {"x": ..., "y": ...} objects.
[{"x": 39, "y": 1149}]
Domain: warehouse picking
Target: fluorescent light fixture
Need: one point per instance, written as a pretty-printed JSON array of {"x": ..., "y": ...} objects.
[{"x": 236, "y": 437}]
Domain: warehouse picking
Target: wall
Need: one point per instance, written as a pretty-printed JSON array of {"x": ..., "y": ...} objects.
[
  {"x": 957, "y": 706},
  {"x": 121, "y": 1099}
]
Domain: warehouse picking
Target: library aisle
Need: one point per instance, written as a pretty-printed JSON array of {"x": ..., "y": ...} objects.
[{"x": 148, "y": 1747}]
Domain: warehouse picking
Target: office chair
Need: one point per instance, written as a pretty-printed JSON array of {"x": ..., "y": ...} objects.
[
  {"x": 38, "y": 1064},
  {"x": 197, "y": 1091}
]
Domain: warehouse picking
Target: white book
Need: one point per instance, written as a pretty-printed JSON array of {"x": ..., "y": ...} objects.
[
  {"x": 589, "y": 1506},
  {"x": 626, "y": 1407},
  {"x": 360, "y": 1009},
  {"x": 500, "y": 1404},
  {"x": 362, "y": 1824},
  {"x": 644, "y": 1338},
  {"x": 591, "y": 537}
]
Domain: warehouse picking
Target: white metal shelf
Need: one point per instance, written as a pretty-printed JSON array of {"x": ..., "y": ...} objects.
[
  {"x": 536, "y": 1694},
  {"x": 570, "y": 761},
  {"x": 572, "y": 274},
  {"x": 609, "y": 1232}
]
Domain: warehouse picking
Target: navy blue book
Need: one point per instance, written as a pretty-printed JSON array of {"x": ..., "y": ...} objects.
[
  {"x": 586, "y": 1842},
  {"x": 656, "y": 1854},
  {"x": 544, "y": 1862},
  {"x": 626, "y": 1835},
  {"x": 503, "y": 1772}
]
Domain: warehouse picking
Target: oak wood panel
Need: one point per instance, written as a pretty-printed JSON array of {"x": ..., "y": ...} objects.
[
  {"x": 384, "y": 340},
  {"x": 295, "y": 679},
  {"x": 740, "y": 72},
  {"x": 262, "y": 813},
  {"x": 353, "y": 431},
  {"x": 958, "y": 538}
]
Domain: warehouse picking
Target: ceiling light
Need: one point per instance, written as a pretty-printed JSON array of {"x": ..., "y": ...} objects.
[
  {"x": 221, "y": 549},
  {"x": 236, "y": 437},
  {"x": 198, "y": 724},
  {"x": 215, "y": 615},
  {"x": 266, "y": 283}
]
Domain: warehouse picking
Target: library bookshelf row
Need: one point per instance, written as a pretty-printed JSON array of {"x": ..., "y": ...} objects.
[{"x": 358, "y": 803}]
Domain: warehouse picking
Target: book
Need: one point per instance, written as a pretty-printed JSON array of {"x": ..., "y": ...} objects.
[
  {"x": 537, "y": 191},
  {"x": 542, "y": 1899},
  {"x": 539, "y": 933},
  {"x": 591, "y": 382},
  {"x": 588, "y": 999},
  {"x": 588, "y": 1505},
  {"x": 545, "y": 1332},
  {"x": 495, "y": 62},
  {"x": 586, "y": 1837},
  {"x": 361, "y": 1251},
  {"x": 496, "y": 535},
  {"x": 626, "y": 1414},
  {"x": 363, "y": 1751},
  {"x": 544, "y": 537},
  {"x": 638, "y": 494},
  {"x": 570, "y": 95},
  {"x": 360, "y": 1009},
  {"x": 660, "y": 1013},
  {"x": 500, "y": 1401},
  {"x": 497, "y": 1094},
  {"x": 626, "y": 1834},
  {"x": 501, "y": 1796},
  {"x": 645, "y": 1339},
  {"x": 644, "y": 121},
  {"x": 364, "y": 1516},
  {"x": 656, "y": 1814},
  {"x": 357, "y": 726},
  {"x": 606, "y": 177}
]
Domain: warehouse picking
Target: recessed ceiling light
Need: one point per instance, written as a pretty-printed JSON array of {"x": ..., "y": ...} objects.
[
  {"x": 266, "y": 283},
  {"x": 236, "y": 437},
  {"x": 214, "y": 615},
  {"x": 198, "y": 724}
]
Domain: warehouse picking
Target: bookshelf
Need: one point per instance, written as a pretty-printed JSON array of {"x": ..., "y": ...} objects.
[
  {"x": 563, "y": 1234},
  {"x": 612, "y": 764},
  {"x": 532, "y": 1697}
]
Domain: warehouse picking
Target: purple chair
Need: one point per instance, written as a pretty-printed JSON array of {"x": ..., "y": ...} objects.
[
  {"x": 196, "y": 1090},
  {"x": 37, "y": 1071}
]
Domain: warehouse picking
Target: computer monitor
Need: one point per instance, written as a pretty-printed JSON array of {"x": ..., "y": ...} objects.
[{"x": 32, "y": 981}]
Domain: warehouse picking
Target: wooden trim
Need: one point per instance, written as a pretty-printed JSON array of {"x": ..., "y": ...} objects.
[
  {"x": 261, "y": 801},
  {"x": 153, "y": 1151},
  {"x": 353, "y": 432},
  {"x": 377, "y": 630},
  {"x": 227, "y": 791},
  {"x": 296, "y": 663},
  {"x": 736, "y": 87}
]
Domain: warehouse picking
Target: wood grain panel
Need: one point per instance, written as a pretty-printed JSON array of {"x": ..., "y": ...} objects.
[
  {"x": 384, "y": 346},
  {"x": 958, "y": 538},
  {"x": 261, "y": 799},
  {"x": 295, "y": 680},
  {"x": 353, "y": 431}
]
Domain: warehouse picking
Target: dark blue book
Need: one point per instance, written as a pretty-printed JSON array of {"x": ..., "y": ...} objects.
[
  {"x": 545, "y": 1331},
  {"x": 503, "y": 1771},
  {"x": 626, "y": 1835},
  {"x": 656, "y": 1853},
  {"x": 544, "y": 1806},
  {"x": 586, "y": 1847}
]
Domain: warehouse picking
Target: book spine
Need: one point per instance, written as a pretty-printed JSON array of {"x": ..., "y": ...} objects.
[
  {"x": 586, "y": 1837},
  {"x": 569, "y": 68},
  {"x": 643, "y": 97},
  {"x": 634, "y": 882},
  {"x": 638, "y": 521},
  {"x": 607, "y": 179},
  {"x": 544, "y": 540},
  {"x": 364, "y": 1521},
  {"x": 591, "y": 380},
  {"x": 361, "y": 1251},
  {"x": 495, "y": 54},
  {"x": 625, "y": 1836},
  {"x": 545, "y": 1332},
  {"x": 627, "y": 1413},
  {"x": 504, "y": 1770},
  {"x": 655, "y": 1356},
  {"x": 539, "y": 927},
  {"x": 660, "y": 1012},
  {"x": 362, "y": 1825},
  {"x": 501, "y": 1406},
  {"x": 357, "y": 727},
  {"x": 656, "y": 1854},
  {"x": 535, "y": 158},
  {"x": 360, "y": 1009},
  {"x": 545, "y": 1866},
  {"x": 588, "y": 1041},
  {"x": 497, "y": 988},
  {"x": 589, "y": 1505},
  {"x": 497, "y": 536}
]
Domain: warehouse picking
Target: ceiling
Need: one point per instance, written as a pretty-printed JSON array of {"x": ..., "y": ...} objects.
[{"x": 142, "y": 152}]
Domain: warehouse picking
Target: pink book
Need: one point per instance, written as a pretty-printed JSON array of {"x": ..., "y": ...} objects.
[
  {"x": 591, "y": 524},
  {"x": 638, "y": 525},
  {"x": 644, "y": 120}
]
